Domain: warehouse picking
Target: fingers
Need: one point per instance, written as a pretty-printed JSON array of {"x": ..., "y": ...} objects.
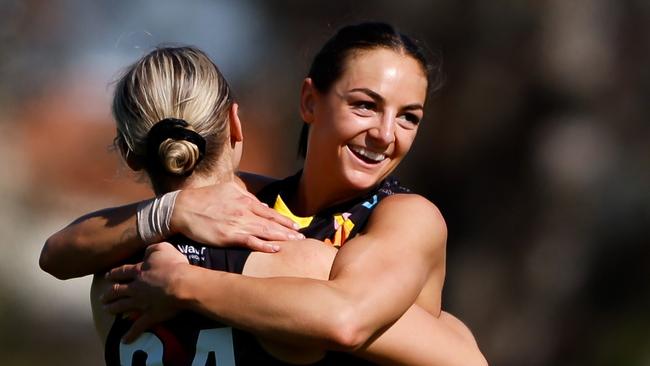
[
  {"x": 117, "y": 291},
  {"x": 271, "y": 231},
  {"x": 162, "y": 247},
  {"x": 259, "y": 245},
  {"x": 121, "y": 306},
  {"x": 264, "y": 223},
  {"x": 271, "y": 214},
  {"x": 139, "y": 326},
  {"x": 152, "y": 248},
  {"x": 274, "y": 225},
  {"x": 124, "y": 273}
]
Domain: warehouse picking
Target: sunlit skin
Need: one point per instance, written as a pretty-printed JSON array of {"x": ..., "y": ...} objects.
[{"x": 376, "y": 106}]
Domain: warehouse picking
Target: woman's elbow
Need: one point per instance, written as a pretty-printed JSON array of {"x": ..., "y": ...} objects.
[
  {"x": 348, "y": 331},
  {"x": 48, "y": 262},
  {"x": 45, "y": 260}
]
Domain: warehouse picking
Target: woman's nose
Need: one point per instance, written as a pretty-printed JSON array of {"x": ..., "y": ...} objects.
[{"x": 384, "y": 132}]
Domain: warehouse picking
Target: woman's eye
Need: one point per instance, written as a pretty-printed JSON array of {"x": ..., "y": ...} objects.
[
  {"x": 364, "y": 105},
  {"x": 412, "y": 118}
]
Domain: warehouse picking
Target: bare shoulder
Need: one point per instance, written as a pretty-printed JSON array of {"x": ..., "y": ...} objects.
[
  {"x": 255, "y": 182},
  {"x": 409, "y": 215},
  {"x": 408, "y": 207}
]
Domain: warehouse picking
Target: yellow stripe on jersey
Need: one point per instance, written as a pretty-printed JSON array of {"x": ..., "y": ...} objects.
[{"x": 282, "y": 208}]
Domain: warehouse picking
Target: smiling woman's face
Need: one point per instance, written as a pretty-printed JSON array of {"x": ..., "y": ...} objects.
[{"x": 365, "y": 124}]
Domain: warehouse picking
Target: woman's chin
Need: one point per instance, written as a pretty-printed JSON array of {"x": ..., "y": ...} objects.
[{"x": 362, "y": 181}]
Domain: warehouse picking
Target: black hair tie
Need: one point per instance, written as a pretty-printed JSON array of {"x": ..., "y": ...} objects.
[{"x": 175, "y": 129}]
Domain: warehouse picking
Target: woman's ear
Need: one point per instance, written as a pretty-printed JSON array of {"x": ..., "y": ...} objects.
[
  {"x": 236, "y": 134},
  {"x": 307, "y": 100}
]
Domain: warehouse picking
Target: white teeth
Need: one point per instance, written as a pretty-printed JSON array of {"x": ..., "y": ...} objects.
[{"x": 368, "y": 154}]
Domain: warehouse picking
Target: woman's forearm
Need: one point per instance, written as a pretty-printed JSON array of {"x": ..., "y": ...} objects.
[
  {"x": 92, "y": 243},
  {"x": 417, "y": 338},
  {"x": 285, "y": 310}
]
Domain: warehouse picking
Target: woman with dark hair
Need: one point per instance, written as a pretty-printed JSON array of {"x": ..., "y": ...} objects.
[{"x": 362, "y": 102}]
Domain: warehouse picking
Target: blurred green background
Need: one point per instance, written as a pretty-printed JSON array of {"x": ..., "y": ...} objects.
[{"x": 537, "y": 152}]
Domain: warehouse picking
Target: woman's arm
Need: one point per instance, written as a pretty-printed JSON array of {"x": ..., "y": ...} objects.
[
  {"x": 92, "y": 243},
  {"x": 222, "y": 214},
  {"x": 417, "y": 338},
  {"x": 374, "y": 279},
  {"x": 422, "y": 336}
]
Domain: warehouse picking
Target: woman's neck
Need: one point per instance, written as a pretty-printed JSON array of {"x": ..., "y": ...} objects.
[
  {"x": 315, "y": 192},
  {"x": 197, "y": 180}
]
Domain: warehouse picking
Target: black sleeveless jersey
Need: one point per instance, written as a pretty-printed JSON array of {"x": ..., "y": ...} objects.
[
  {"x": 337, "y": 224},
  {"x": 192, "y": 339},
  {"x": 188, "y": 338}
]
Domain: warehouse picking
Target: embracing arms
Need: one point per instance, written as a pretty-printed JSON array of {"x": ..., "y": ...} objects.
[
  {"x": 301, "y": 311},
  {"x": 374, "y": 279},
  {"x": 103, "y": 239},
  {"x": 340, "y": 296}
]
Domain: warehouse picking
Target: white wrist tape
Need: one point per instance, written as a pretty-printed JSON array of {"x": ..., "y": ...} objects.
[{"x": 154, "y": 217}]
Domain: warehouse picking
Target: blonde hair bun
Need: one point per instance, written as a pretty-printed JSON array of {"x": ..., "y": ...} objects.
[
  {"x": 174, "y": 147},
  {"x": 178, "y": 157}
]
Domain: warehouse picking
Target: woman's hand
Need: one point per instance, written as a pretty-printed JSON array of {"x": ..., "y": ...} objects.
[
  {"x": 145, "y": 288},
  {"x": 227, "y": 215}
]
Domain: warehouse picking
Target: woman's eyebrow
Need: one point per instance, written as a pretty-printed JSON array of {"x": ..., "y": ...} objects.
[
  {"x": 368, "y": 92},
  {"x": 413, "y": 106},
  {"x": 378, "y": 98}
]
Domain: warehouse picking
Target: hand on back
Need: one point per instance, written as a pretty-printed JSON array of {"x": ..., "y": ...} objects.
[{"x": 227, "y": 215}]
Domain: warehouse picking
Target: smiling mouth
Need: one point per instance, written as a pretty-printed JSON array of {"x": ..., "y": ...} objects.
[{"x": 367, "y": 156}]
